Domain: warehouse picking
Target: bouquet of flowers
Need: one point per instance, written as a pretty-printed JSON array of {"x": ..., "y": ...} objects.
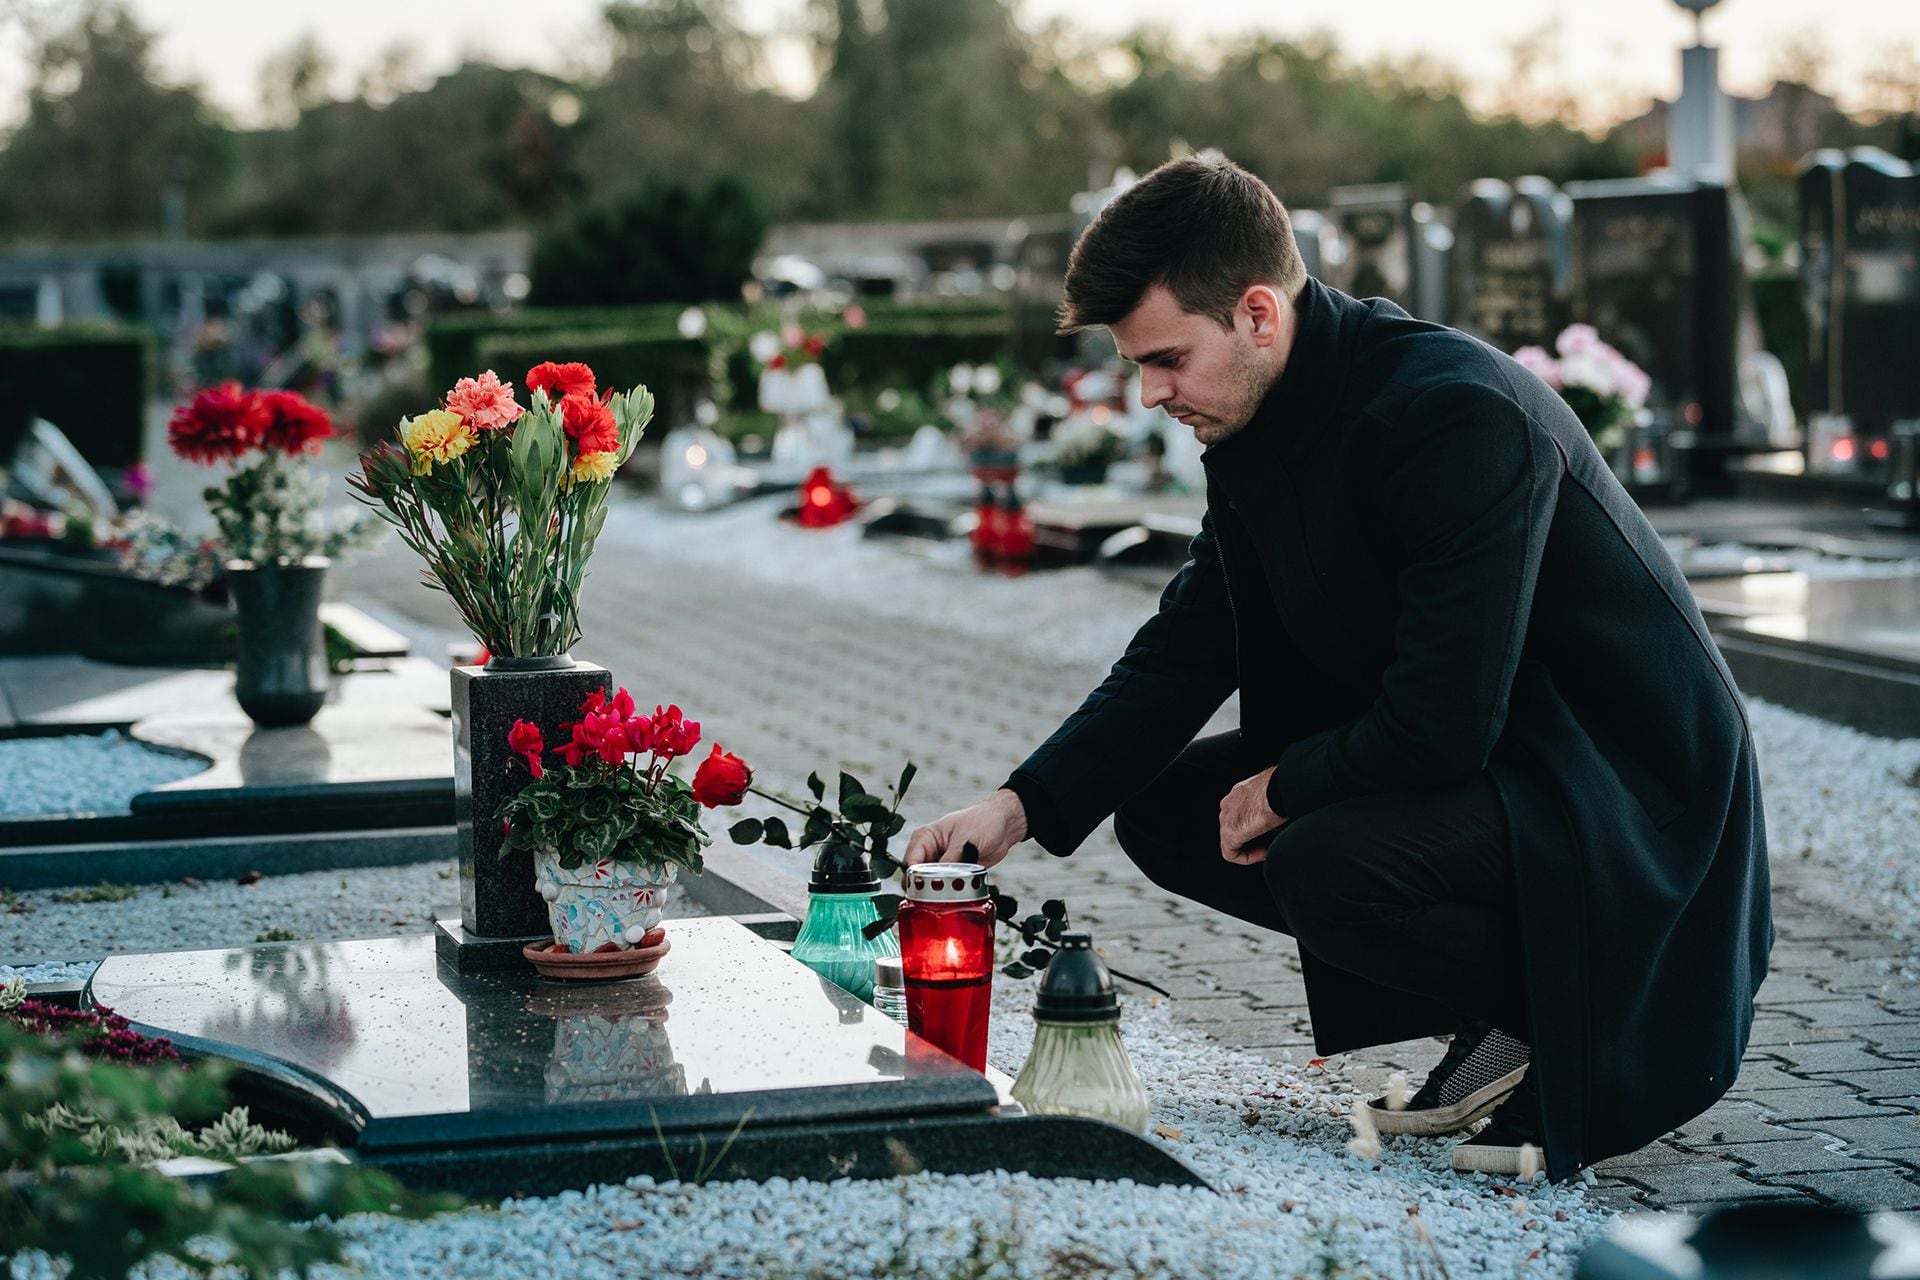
[
  {"x": 505, "y": 501},
  {"x": 791, "y": 348},
  {"x": 612, "y": 796},
  {"x": 269, "y": 508},
  {"x": 1602, "y": 387}
]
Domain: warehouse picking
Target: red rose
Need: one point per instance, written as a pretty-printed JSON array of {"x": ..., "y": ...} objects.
[
  {"x": 560, "y": 380},
  {"x": 524, "y": 739},
  {"x": 591, "y": 424},
  {"x": 722, "y": 778},
  {"x": 294, "y": 424},
  {"x": 220, "y": 423}
]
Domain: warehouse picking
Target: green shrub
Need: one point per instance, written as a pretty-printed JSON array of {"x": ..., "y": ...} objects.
[
  {"x": 668, "y": 364},
  {"x": 92, "y": 381},
  {"x": 1783, "y": 326},
  {"x": 908, "y": 353},
  {"x": 453, "y": 340},
  {"x": 665, "y": 241}
]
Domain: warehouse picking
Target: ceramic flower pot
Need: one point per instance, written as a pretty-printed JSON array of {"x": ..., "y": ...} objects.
[
  {"x": 605, "y": 900},
  {"x": 280, "y": 664}
]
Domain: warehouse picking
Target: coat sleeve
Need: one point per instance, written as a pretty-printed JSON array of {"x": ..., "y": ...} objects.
[
  {"x": 1175, "y": 673},
  {"x": 1467, "y": 490}
]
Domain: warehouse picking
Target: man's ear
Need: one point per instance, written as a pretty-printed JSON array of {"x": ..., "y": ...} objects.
[{"x": 1262, "y": 307}]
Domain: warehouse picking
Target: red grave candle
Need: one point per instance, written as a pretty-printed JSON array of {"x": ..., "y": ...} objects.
[{"x": 946, "y": 956}]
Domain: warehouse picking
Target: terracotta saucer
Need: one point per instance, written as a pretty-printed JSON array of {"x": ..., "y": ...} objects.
[{"x": 596, "y": 966}]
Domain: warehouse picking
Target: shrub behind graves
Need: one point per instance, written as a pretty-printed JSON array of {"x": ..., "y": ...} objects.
[{"x": 92, "y": 381}]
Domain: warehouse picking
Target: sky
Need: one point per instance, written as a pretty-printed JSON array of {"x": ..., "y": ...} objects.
[{"x": 1615, "y": 54}]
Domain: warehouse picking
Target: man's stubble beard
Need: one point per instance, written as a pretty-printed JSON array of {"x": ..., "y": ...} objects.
[{"x": 1250, "y": 383}]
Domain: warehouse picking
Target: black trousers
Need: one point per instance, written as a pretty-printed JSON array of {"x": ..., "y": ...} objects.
[{"x": 1402, "y": 903}]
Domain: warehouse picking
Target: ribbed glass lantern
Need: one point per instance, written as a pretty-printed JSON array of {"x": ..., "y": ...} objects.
[
  {"x": 832, "y": 940},
  {"x": 1078, "y": 1065}
]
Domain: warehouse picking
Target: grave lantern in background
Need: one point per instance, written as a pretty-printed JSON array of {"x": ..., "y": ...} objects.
[
  {"x": 824, "y": 501},
  {"x": 1078, "y": 1065},
  {"x": 946, "y": 954}
]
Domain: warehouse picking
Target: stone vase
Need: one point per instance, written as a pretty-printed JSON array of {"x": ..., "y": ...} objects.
[
  {"x": 603, "y": 900},
  {"x": 280, "y": 668},
  {"x": 498, "y": 900}
]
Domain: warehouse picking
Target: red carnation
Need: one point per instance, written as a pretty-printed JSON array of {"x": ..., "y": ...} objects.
[
  {"x": 294, "y": 423},
  {"x": 560, "y": 380},
  {"x": 591, "y": 424},
  {"x": 722, "y": 778},
  {"x": 219, "y": 424}
]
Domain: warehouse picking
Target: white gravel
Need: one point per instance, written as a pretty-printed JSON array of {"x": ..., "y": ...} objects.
[
  {"x": 1740, "y": 557},
  {"x": 84, "y": 773},
  {"x": 1272, "y": 1139},
  {"x": 1062, "y": 616},
  {"x": 1843, "y": 816}
]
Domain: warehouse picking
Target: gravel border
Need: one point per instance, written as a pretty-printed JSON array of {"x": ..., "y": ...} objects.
[{"x": 77, "y": 774}]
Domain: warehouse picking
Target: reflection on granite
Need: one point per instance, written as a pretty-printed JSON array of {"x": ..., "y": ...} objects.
[
  {"x": 430, "y": 1056},
  {"x": 346, "y": 745},
  {"x": 1877, "y": 618}
]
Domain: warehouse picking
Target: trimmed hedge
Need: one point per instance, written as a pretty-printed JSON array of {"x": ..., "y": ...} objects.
[
  {"x": 669, "y": 365},
  {"x": 907, "y": 354},
  {"x": 1783, "y": 327},
  {"x": 92, "y": 381}
]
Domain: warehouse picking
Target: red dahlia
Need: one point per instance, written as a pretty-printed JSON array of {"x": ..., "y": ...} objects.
[
  {"x": 294, "y": 424},
  {"x": 219, "y": 424}
]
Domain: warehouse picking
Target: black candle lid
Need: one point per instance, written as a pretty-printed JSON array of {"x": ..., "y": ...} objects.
[
  {"x": 1076, "y": 986},
  {"x": 839, "y": 869}
]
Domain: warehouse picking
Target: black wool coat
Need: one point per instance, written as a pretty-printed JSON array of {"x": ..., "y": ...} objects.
[{"x": 1415, "y": 567}]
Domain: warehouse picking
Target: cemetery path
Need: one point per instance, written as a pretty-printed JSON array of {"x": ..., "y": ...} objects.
[{"x": 1828, "y": 1102}]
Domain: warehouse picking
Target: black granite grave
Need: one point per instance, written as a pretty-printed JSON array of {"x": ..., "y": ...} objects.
[
  {"x": 1879, "y": 302},
  {"x": 730, "y": 1055},
  {"x": 1396, "y": 248},
  {"x": 1844, "y": 649},
  {"x": 1656, "y": 269},
  {"x": 1817, "y": 184},
  {"x": 1510, "y": 273}
]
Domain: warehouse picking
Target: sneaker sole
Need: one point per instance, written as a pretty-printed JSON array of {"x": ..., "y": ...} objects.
[
  {"x": 1468, "y": 1158},
  {"x": 1433, "y": 1121}
]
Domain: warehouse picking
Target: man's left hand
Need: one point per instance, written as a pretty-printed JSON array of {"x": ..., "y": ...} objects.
[{"x": 1247, "y": 821}]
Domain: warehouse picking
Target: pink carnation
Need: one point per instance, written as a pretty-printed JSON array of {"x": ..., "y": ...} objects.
[
  {"x": 1577, "y": 338},
  {"x": 485, "y": 403},
  {"x": 1536, "y": 361}
]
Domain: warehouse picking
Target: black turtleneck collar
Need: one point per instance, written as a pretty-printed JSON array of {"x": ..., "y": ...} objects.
[{"x": 1303, "y": 393}]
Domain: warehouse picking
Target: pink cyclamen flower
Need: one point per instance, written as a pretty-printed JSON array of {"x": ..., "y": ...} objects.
[
  {"x": 485, "y": 403},
  {"x": 1576, "y": 338}
]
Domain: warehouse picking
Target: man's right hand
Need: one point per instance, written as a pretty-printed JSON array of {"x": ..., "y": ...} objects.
[{"x": 992, "y": 827}]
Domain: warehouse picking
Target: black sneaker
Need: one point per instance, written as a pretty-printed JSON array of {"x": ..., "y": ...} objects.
[
  {"x": 1510, "y": 1144},
  {"x": 1483, "y": 1065}
]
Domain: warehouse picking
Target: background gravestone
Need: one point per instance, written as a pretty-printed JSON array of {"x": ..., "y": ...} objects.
[
  {"x": 1510, "y": 271},
  {"x": 1396, "y": 248},
  {"x": 1319, "y": 242},
  {"x": 1817, "y": 185},
  {"x": 1879, "y": 280}
]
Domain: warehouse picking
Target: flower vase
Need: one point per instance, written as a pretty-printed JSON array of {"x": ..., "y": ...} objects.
[
  {"x": 604, "y": 903},
  {"x": 280, "y": 667}
]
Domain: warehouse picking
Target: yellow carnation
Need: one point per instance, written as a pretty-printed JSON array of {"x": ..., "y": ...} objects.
[
  {"x": 438, "y": 435},
  {"x": 595, "y": 466}
]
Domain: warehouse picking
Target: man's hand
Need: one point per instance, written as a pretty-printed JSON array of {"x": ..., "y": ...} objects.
[
  {"x": 993, "y": 827},
  {"x": 1247, "y": 821}
]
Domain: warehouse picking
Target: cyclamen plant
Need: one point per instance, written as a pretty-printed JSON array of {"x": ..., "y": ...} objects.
[
  {"x": 504, "y": 501},
  {"x": 612, "y": 795},
  {"x": 1602, "y": 387}
]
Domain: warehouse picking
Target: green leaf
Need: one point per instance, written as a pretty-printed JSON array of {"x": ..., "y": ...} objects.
[
  {"x": 1037, "y": 957},
  {"x": 816, "y": 786},
  {"x": 1017, "y": 970},
  {"x": 906, "y": 778},
  {"x": 849, "y": 788},
  {"x": 818, "y": 824},
  {"x": 1054, "y": 929},
  {"x": 865, "y": 808},
  {"x": 747, "y": 831},
  {"x": 896, "y": 825},
  {"x": 888, "y": 905},
  {"x": 776, "y": 834},
  {"x": 1054, "y": 909},
  {"x": 874, "y": 930},
  {"x": 1004, "y": 908}
]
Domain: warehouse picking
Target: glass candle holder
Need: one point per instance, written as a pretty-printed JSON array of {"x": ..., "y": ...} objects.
[
  {"x": 832, "y": 940},
  {"x": 1078, "y": 1065},
  {"x": 946, "y": 955}
]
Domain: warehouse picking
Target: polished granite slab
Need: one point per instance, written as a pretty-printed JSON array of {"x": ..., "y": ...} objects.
[
  {"x": 396, "y": 1051},
  {"x": 1874, "y": 619}
]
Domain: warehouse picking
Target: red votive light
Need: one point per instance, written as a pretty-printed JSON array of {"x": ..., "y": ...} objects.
[{"x": 946, "y": 957}]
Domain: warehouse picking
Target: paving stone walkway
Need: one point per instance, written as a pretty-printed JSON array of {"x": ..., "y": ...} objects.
[{"x": 1827, "y": 1106}]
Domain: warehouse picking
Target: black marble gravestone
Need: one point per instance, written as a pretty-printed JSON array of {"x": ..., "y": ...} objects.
[
  {"x": 1656, "y": 270},
  {"x": 1395, "y": 247},
  {"x": 503, "y": 1082},
  {"x": 1510, "y": 272},
  {"x": 1817, "y": 185},
  {"x": 1879, "y": 286}
]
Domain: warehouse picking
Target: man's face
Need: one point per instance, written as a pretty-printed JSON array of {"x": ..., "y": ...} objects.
[{"x": 1208, "y": 376}]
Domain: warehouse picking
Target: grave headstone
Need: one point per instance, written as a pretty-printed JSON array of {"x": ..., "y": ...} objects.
[
  {"x": 1879, "y": 285},
  {"x": 1319, "y": 241},
  {"x": 1817, "y": 184},
  {"x": 1656, "y": 270},
  {"x": 1396, "y": 247},
  {"x": 1510, "y": 272}
]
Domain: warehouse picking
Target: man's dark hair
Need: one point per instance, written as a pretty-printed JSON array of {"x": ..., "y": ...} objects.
[{"x": 1202, "y": 226}]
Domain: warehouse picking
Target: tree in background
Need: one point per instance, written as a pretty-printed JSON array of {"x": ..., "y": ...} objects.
[
  {"x": 666, "y": 241},
  {"x": 106, "y": 147}
]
